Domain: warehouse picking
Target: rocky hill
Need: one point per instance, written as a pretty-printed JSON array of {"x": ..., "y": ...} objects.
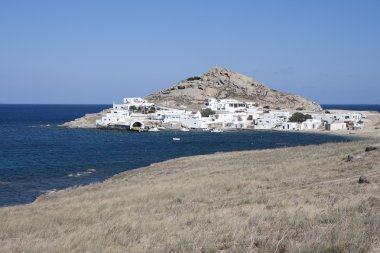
[
  {"x": 221, "y": 83},
  {"x": 193, "y": 92}
]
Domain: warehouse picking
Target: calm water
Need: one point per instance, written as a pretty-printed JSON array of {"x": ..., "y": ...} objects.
[
  {"x": 353, "y": 107},
  {"x": 34, "y": 160}
]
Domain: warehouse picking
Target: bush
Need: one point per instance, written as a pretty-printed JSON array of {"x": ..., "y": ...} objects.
[
  {"x": 132, "y": 108},
  {"x": 152, "y": 109},
  {"x": 193, "y": 78},
  {"x": 207, "y": 112},
  {"x": 299, "y": 117}
]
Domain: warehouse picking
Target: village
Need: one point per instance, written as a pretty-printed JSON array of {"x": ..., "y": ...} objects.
[{"x": 138, "y": 114}]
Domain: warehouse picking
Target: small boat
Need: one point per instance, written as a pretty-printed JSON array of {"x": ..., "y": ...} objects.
[
  {"x": 176, "y": 139},
  {"x": 216, "y": 130},
  {"x": 205, "y": 129},
  {"x": 153, "y": 129},
  {"x": 184, "y": 129}
]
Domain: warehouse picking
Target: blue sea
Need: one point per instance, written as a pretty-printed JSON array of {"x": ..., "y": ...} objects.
[{"x": 36, "y": 156}]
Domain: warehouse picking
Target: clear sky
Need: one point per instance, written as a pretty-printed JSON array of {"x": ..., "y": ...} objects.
[{"x": 100, "y": 51}]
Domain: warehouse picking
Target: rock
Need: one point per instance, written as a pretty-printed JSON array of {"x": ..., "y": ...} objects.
[
  {"x": 221, "y": 83},
  {"x": 370, "y": 148},
  {"x": 349, "y": 158},
  {"x": 87, "y": 121},
  {"x": 363, "y": 180}
]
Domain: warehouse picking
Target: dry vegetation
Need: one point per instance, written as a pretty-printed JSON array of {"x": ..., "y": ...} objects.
[{"x": 303, "y": 199}]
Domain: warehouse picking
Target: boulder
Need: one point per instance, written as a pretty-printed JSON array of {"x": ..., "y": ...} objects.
[
  {"x": 349, "y": 158},
  {"x": 363, "y": 180},
  {"x": 370, "y": 148}
]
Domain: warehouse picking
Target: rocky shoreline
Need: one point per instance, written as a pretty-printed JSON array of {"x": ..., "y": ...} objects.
[{"x": 87, "y": 121}]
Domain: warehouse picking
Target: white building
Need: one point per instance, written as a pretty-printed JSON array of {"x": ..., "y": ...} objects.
[
  {"x": 120, "y": 115},
  {"x": 268, "y": 122},
  {"x": 137, "y": 102},
  {"x": 347, "y": 116},
  {"x": 192, "y": 121},
  {"x": 312, "y": 124},
  {"x": 271, "y": 120},
  {"x": 228, "y": 105},
  {"x": 187, "y": 119},
  {"x": 167, "y": 115},
  {"x": 336, "y": 126},
  {"x": 290, "y": 126},
  {"x": 230, "y": 113}
]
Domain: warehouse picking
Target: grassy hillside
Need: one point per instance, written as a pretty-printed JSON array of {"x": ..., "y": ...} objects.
[{"x": 302, "y": 199}]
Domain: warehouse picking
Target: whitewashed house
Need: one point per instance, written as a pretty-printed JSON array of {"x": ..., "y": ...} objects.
[
  {"x": 193, "y": 121},
  {"x": 336, "y": 126},
  {"x": 167, "y": 115},
  {"x": 137, "y": 102},
  {"x": 117, "y": 115},
  {"x": 312, "y": 124},
  {"x": 290, "y": 126},
  {"x": 267, "y": 122},
  {"x": 347, "y": 116},
  {"x": 228, "y": 105}
]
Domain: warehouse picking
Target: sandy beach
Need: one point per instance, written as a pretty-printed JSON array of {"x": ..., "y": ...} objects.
[{"x": 300, "y": 199}]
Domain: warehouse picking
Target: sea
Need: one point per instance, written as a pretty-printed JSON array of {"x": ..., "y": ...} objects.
[{"x": 37, "y": 156}]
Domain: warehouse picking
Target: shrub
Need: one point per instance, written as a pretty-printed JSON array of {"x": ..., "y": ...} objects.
[
  {"x": 299, "y": 117},
  {"x": 207, "y": 112},
  {"x": 193, "y": 78},
  {"x": 152, "y": 109}
]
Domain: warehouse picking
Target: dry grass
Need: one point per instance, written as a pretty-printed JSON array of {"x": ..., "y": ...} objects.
[{"x": 303, "y": 199}]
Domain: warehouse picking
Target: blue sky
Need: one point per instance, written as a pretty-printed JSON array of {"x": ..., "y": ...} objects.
[{"x": 100, "y": 51}]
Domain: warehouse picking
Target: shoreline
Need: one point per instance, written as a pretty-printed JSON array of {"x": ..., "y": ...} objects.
[
  {"x": 371, "y": 128},
  {"x": 241, "y": 191},
  {"x": 241, "y": 186},
  {"x": 353, "y": 135}
]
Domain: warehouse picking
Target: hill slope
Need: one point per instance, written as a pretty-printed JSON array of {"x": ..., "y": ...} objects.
[
  {"x": 222, "y": 83},
  {"x": 300, "y": 199}
]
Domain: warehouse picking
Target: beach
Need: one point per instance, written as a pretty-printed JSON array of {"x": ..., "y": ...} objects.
[{"x": 298, "y": 199}]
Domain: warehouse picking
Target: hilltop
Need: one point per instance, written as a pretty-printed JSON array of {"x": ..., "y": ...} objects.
[{"x": 193, "y": 92}]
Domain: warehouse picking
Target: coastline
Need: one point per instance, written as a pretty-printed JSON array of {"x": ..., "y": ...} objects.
[
  {"x": 187, "y": 198},
  {"x": 371, "y": 128},
  {"x": 262, "y": 192}
]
